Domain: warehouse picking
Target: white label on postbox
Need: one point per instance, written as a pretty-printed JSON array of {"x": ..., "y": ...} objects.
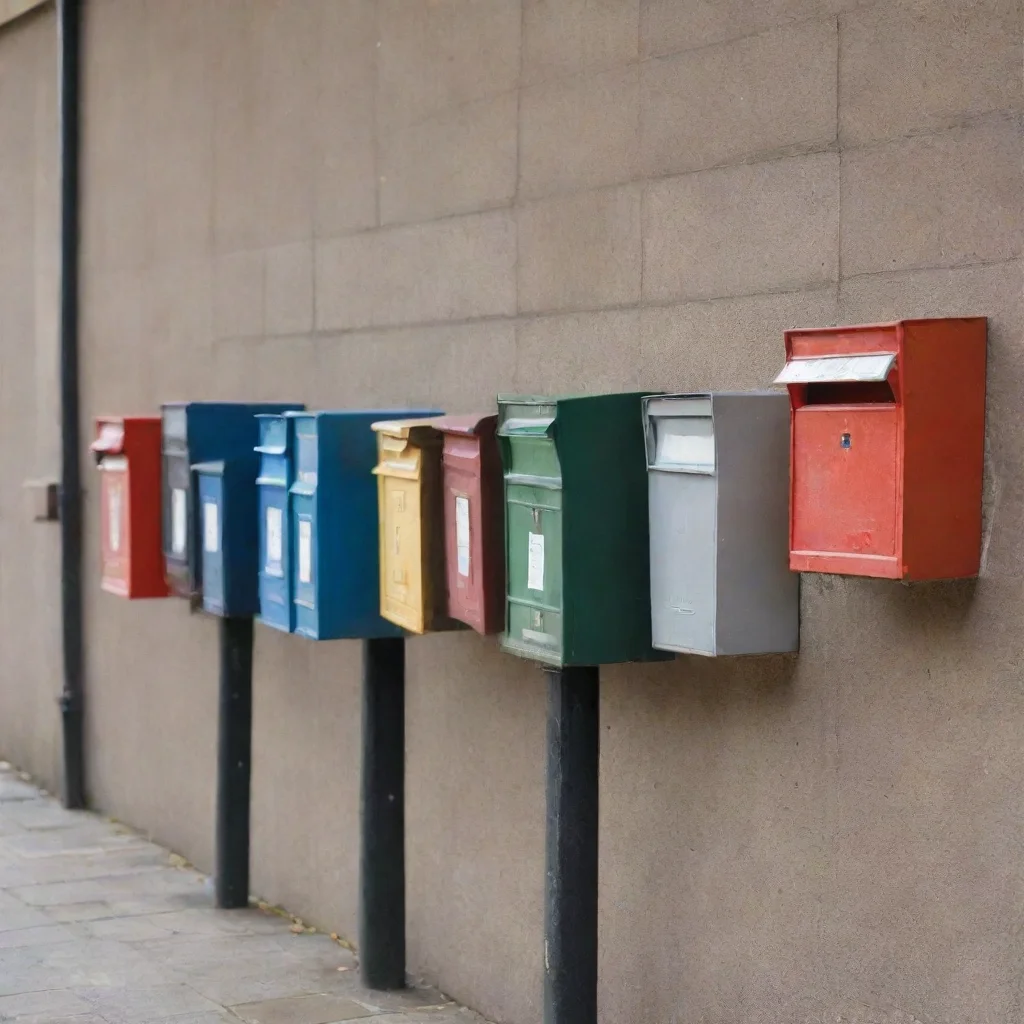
[
  {"x": 275, "y": 546},
  {"x": 114, "y": 518},
  {"x": 535, "y": 565},
  {"x": 211, "y": 527},
  {"x": 179, "y": 521},
  {"x": 462, "y": 533},
  {"x": 305, "y": 551}
]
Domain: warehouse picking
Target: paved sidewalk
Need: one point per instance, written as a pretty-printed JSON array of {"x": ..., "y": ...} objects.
[{"x": 99, "y": 926}]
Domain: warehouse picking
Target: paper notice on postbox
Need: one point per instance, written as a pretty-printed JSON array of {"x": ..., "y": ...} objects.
[
  {"x": 275, "y": 546},
  {"x": 114, "y": 514},
  {"x": 305, "y": 551},
  {"x": 211, "y": 527},
  {"x": 462, "y": 533},
  {"x": 179, "y": 521},
  {"x": 535, "y": 564}
]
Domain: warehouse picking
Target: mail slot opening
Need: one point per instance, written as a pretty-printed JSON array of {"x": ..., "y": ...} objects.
[{"x": 861, "y": 392}]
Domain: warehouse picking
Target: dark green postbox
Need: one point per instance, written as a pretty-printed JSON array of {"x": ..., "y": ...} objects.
[{"x": 576, "y": 529}]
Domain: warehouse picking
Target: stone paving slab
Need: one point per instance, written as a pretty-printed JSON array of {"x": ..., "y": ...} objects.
[{"x": 100, "y": 926}]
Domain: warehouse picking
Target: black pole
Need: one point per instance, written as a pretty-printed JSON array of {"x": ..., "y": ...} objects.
[
  {"x": 234, "y": 749},
  {"x": 382, "y": 856},
  {"x": 570, "y": 908},
  {"x": 72, "y": 702}
]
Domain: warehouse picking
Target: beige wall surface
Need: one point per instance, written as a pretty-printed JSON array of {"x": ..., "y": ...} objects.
[
  {"x": 30, "y": 657},
  {"x": 354, "y": 202}
]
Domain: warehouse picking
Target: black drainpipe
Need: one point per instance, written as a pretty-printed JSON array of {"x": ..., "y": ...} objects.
[{"x": 72, "y": 704}]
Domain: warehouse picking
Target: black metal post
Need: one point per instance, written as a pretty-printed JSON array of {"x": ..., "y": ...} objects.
[
  {"x": 72, "y": 698},
  {"x": 234, "y": 762},
  {"x": 570, "y": 908},
  {"x": 382, "y": 805}
]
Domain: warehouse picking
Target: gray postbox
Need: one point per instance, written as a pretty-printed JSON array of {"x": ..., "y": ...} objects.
[{"x": 718, "y": 475}]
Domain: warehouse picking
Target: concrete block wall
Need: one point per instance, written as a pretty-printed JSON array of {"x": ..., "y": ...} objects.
[
  {"x": 30, "y": 661},
  {"x": 365, "y": 202}
]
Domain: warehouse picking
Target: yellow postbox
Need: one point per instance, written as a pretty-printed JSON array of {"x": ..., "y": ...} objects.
[{"x": 411, "y": 514}]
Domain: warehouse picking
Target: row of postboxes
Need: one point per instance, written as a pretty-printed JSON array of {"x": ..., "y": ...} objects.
[{"x": 588, "y": 529}]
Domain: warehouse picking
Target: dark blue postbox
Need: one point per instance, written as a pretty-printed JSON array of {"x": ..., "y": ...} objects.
[
  {"x": 276, "y": 544},
  {"x": 199, "y": 432},
  {"x": 334, "y": 520},
  {"x": 226, "y": 493}
]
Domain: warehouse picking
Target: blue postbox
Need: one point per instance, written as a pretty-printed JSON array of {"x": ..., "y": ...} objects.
[
  {"x": 199, "y": 432},
  {"x": 276, "y": 473},
  {"x": 334, "y": 525},
  {"x": 226, "y": 496}
]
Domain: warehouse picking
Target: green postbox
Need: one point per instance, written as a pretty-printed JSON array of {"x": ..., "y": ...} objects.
[{"x": 576, "y": 529}]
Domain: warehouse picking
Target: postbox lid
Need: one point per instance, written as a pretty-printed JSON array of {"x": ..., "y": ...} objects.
[
  {"x": 526, "y": 415},
  {"x": 468, "y": 425},
  {"x": 412, "y": 429},
  {"x": 210, "y": 468},
  {"x": 874, "y": 366},
  {"x": 109, "y": 437}
]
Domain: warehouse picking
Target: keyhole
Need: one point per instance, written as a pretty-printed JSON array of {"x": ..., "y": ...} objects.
[
  {"x": 844, "y": 441},
  {"x": 396, "y": 539}
]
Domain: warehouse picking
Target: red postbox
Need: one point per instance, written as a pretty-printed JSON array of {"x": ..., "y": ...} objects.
[
  {"x": 127, "y": 451},
  {"x": 888, "y": 437},
  {"x": 473, "y": 521}
]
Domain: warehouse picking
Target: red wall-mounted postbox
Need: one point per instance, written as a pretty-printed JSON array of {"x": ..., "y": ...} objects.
[
  {"x": 127, "y": 450},
  {"x": 888, "y": 437},
  {"x": 474, "y": 521}
]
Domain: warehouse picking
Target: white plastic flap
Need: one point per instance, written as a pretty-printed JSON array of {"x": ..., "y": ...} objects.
[
  {"x": 833, "y": 369},
  {"x": 684, "y": 443}
]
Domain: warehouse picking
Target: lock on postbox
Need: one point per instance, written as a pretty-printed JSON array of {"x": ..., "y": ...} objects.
[
  {"x": 226, "y": 494},
  {"x": 276, "y": 468},
  {"x": 474, "y": 521},
  {"x": 887, "y": 435},
  {"x": 334, "y": 526},
  {"x": 576, "y": 529},
  {"x": 127, "y": 452},
  {"x": 193, "y": 433},
  {"x": 413, "y": 591},
  {"x": 718, "y": 475}
]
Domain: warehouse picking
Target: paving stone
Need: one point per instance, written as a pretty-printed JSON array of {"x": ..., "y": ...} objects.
[
  {"x": 101, "y": 964},
  {"x": 44, "y": 814},
  {"x": 45, "y": 1018},
  {"x": 213, "y": 1017},
  {"x": 53, "y": 1003},
  {"x": 56, "y": 842},
  {"x": 69, "y": 913},
  {"x": 313, "y": 1009},
  {"x": 124, "y": 929},
  {"x": 15, "y": 916},
  {"x": 130, "y": 1005},
  {"x": 207, "y": 921},
  {"x": 13, "y": 789},
  {"x": 187, "y": 952},
  {"x": 46, "y": 935}
]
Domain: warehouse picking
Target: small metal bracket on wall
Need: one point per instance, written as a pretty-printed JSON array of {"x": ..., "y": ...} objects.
[{"x": 42, "y": 500}]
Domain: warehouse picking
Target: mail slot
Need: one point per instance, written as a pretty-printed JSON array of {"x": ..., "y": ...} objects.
[
  {"x": 334, "y": 525},
  {"x": 226, "y": 491},
  {"x": 718, "y": 478},
  {"x": 276, "y": 462},
  {"x": 413, "y": 591},
  {"x": 474, "y": 521},
  {"x": 127, "y": 452},
  {"x": 887, "y": 435},
  {"x": 576, "y": 529},
  {"x": 199, "y": 432}
]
